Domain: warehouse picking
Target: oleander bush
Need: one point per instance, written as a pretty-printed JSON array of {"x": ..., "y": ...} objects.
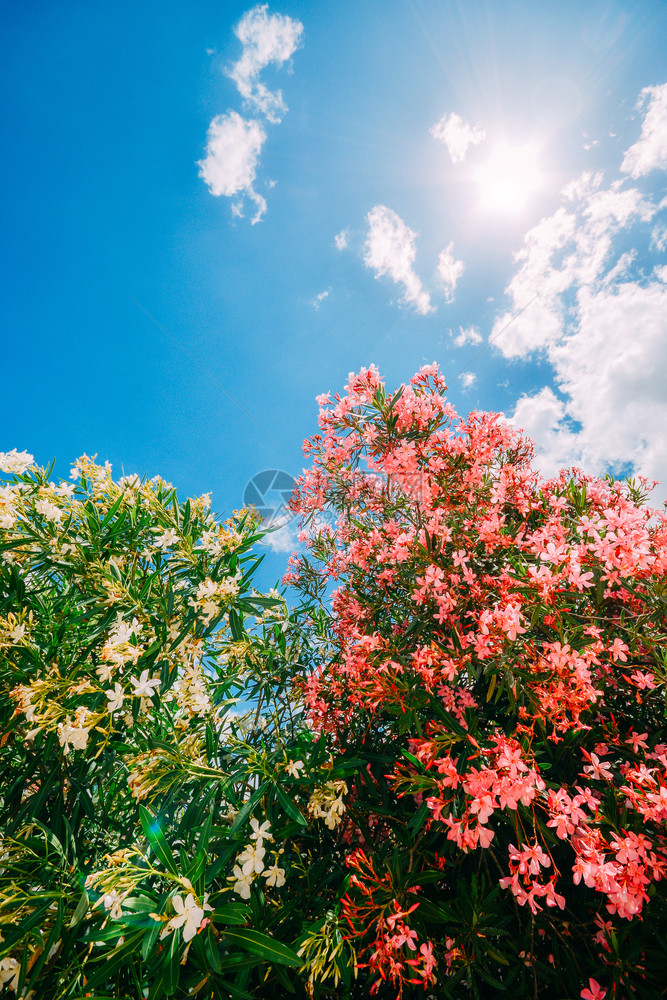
[
  {"x": 441, "y": 773},
  {"x": 161, "y": 833}
]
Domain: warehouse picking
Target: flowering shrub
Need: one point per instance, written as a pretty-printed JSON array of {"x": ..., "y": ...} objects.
[
  {"x": 445, "y": 775},
  {"x": 156, "y": 777},
  {"x": 497, "y": 670}
]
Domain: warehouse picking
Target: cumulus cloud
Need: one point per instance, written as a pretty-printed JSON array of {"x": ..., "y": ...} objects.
[
  {"x": 457, "y": 135},
  {"x": 569, "y": 250},
  {"x": 234, "y": 143},
  {"x": 585, "y": 300},
  {"x": 449, "y": 271},
  {"x": 319, "y": 298},
  {"x": 266, "y": 39},
  {"x": 390, "y": 249},
  {"x": 650, "y": 151},
  {"x": 230, "y": 165},
  {"x": 468, "y": 379}
]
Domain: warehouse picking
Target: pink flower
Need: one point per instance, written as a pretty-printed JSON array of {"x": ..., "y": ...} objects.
[{"x": 593, "y": 992}]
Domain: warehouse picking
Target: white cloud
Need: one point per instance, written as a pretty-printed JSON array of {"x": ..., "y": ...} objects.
[
  {"x": 612, "y": 372},
  {"x": 659, "y": 238},
  {"x": 457, "y": 135},
  {"x": 267, "y": 39},
  {"x": 340, "y": 239},
  {"x": 230, "y": 166},
  {"x": 390, "y": 249},
  {"x": 283, "y": 536},
  {"x": 650, "y": 150},
  {"x": 568, "y": 250},
  {"x": 597, "y": 314},
  {"x": 319, "y": 299},
  {"x": 449, "y": 271},
  {"x": 468, "y": 379},
  {"x": 467, "y": 335}
]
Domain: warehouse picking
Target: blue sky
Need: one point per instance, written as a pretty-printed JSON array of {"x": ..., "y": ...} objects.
[{"x": 424, "y": 172}]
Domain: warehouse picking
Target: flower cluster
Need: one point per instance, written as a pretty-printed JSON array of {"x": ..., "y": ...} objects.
[
  {"x": 497, "y": 642},
  {"x": 250, "y": 862}
]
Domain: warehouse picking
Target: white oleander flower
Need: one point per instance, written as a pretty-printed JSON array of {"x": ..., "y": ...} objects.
[
  {"x": 243, "y": 882},
  {"x": 15, "y": 461},
  {"x": 251, "y": 859},
  {"x": 49, "y": 510},
  {"x": 275, "y": 876},
  {"x": 72, "y": 736},
  {"x": 167, "y": 538},
  {"x": 294, "y": 768},
  {"x": 189, "y": 915},
  {"x": 143, "y": 687},
  {"x": 116, "y": 697},
  {"x": 260, "y": 833}
]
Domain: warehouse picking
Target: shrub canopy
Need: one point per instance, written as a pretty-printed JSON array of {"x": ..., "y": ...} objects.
[{"x": 442, "y": 775}]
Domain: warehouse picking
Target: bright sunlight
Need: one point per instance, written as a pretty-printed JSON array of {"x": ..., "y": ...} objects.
[{"x": 508, "y": 178}]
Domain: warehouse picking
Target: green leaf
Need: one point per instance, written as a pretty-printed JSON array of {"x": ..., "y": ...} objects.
[
  {"x": 413, "y": 760},
  {"x": 264, "y": 946},
  {"x": 245, "y": 811},
  {"x": 172, "y": 967},
  {"x": 81, "y": 910},
  {"x": 290, "y": 808},
  {"x": 232, "y": 913},
  {"x": 157, "y": 840}
]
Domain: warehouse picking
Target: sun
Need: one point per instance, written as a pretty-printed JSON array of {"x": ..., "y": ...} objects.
[{"x": 508, "y": 179}]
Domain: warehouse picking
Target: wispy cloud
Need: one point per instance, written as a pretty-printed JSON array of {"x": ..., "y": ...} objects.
[
  {"x": 390, "y": 249},
  {"x": 230, "y": 165},
  {"x": 319, "y": 298},
  {"x": 468, "y": 379},
  {"x": 650, "y": 151},
  {"x": 457, "y": 135},
  {"x": 449, "y": 271},
  {"x": 266, "y": 39}
]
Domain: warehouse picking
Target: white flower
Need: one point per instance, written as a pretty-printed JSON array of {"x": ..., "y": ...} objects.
[
  {"x": 243, "y": 882},
  {"x": 230, "y": 586},
  {"x": 275, "y": 876},
  {"x": 144, "y": 687},
  {"x": 189, "y": 916},
  {"x": 104, "y": 672},
  {"x": 49, "y": 510},
  {"x": 116, "y": 697},
  {"x": 10, "y": 971},
  {"x": 166, "y": 539},
  {"x": 112, "y": 902},
  {"x": 335, "y": 814},
  {"x": 15, "y": 461},
  {"x": 122, "y": 631},
  {"x": 252, "y": 858},
  {"x": 260, "y": 833},
  {"x": 17, "y": 633},
  {"x": 294, "y": 768},
  {"x": 64, "y": 490},
  {"x": 131, "y": 482},
  {"x": 209, "y": 609},
  {"x": 69, "y": 735},
  {"x": 208, "y": 588}
]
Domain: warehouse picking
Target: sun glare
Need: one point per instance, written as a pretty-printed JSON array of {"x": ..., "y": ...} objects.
[{"x": 508, "y": 178}]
